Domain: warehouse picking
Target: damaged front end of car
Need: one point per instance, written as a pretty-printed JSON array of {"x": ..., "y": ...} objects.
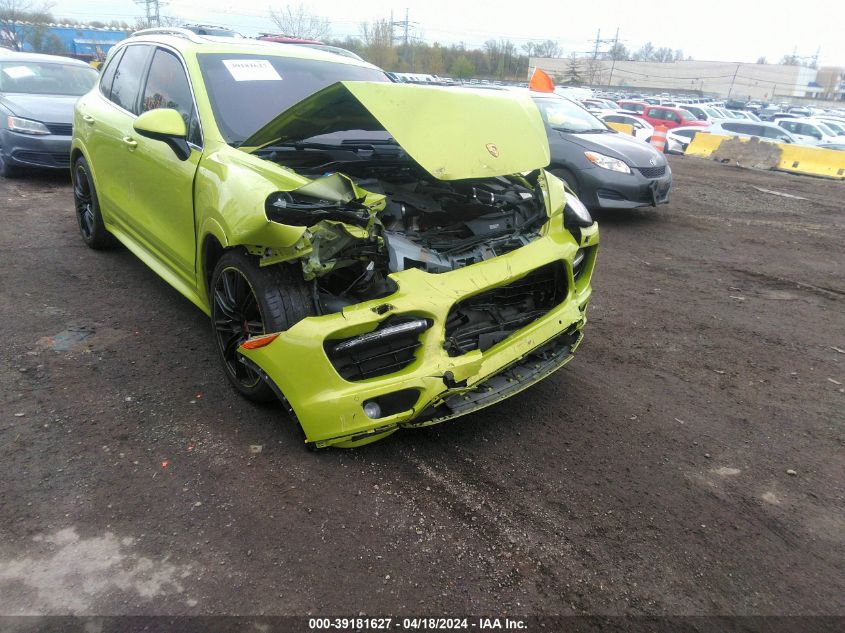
[{"x": 447, "y": 273}]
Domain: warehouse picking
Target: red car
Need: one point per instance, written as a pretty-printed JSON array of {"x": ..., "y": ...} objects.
[
  {"x": 670, "y": 117},
  {"x": 632, "y": 106}
]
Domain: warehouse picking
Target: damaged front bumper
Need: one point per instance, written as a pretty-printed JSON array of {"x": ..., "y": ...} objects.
[{"x": 430, "y": 377}]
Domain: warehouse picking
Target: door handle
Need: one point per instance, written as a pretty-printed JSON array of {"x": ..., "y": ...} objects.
[
  {"x": 131, "y": 142},
  {"x": 88, "y": 118}
]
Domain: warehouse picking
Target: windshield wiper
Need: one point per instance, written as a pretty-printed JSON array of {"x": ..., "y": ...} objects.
[{"x": 378, "y": 146}]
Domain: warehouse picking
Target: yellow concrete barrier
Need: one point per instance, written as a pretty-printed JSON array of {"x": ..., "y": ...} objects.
[
  {"x": 798, "y": 159},
  {"x": 704, "y": 144},
  {"x": 812, "y": 160},
  {"x": 625, "y": 128}
]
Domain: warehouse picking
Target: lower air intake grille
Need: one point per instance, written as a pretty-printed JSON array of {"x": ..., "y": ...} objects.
[
  {"x": 490, "y": 317},
  {"x": 385, "y": 350}
]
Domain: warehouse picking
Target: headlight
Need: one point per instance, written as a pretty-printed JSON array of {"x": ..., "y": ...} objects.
[
  {"x": 25, "y": 126},
  {"x": 606, "y": 162},
  {"x": 575, "y": 213}
]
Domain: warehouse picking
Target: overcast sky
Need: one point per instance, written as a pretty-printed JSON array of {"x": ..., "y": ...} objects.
[{"x": 714, "y": 30}]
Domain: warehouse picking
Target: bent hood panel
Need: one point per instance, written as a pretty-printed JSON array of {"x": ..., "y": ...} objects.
[{"x": 453, "y": 133}]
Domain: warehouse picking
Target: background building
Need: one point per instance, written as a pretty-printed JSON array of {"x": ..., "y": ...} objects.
[
  {"x": 73, "y": 40},
  {"x": 724, "y": 79}
]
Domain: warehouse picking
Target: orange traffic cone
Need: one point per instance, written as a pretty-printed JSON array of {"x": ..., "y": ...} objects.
[{"x": 658, "y": 139}]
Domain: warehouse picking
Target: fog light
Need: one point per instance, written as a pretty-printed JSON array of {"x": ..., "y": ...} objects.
[{"x": 372, "y": 410}]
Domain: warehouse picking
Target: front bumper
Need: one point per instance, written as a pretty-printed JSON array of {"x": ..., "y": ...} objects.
[
  {"x": 27, "y": 150},
  {"x": 330, "y": 408},
  {"x": 605, "y": 189}
]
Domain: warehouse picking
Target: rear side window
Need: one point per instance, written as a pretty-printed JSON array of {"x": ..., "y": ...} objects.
[
  {"x": 108, "y": 74},
  {"x": 127, "y": 78},
  {"x": 772, "y": 132}
]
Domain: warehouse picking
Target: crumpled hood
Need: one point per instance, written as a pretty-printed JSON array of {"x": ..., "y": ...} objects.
[
  {"x": 626, "y": 148},
  {"x": 452, "y": 133},
  {"x": 48, "y": 108}
]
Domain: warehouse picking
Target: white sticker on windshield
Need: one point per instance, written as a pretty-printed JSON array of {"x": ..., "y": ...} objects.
[
  {"x": 251, "y": 70},
  {"x": 16, "y": 72}
]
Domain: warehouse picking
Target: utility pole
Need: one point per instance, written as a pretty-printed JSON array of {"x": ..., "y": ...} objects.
[
  {"x": 733, "y": 79},
  {"x": 406, "y": 26},
  {"x": 152, "y": 9},
  {"x": 598, "y": 42},
  {"x": 614, "y": 51}
]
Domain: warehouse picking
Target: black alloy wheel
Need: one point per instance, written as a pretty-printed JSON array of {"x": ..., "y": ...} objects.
[
  {"x": 236, "y": 315},
  {"x": 84, "y": 202}
]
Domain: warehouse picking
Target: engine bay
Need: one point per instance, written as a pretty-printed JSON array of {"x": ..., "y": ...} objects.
[{"x": 403, "y": 218}]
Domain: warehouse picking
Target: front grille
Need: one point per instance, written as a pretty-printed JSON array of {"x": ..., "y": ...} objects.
[
  {"x": 385, "y": 350},
  {"x": 60, "y": 129},
  {"x": 46, "y": 159},
  {"x": 652, "y": 172},
  {"x": 490, "y": 317}
]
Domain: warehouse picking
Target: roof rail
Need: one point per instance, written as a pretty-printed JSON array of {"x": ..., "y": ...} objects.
[{"x": 170, "y": 30}]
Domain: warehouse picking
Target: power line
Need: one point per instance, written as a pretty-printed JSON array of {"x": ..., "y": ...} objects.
[{"x": 152, "y": 9}]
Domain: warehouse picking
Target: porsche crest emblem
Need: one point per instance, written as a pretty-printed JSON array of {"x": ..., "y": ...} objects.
[{"x": 494, "y": 151}]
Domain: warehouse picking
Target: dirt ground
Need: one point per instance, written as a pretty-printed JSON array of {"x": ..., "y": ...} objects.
[{"x": 689, "y": 460}]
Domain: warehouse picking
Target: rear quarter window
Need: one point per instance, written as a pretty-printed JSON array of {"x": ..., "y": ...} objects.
[
  {"x": 128, "y": 76},
  {"x": 107, "y": 75}
]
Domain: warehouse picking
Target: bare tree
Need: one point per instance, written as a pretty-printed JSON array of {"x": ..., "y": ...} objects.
[
  {"x": 19, "y": 19},
  {"x": 378, "y": 39},
  {"x": 297, "y": 21}
]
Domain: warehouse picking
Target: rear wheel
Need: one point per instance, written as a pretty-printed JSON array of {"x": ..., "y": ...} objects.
[
  {"x": 247, "y": 301},
  {"x": 91, "y": 225}
]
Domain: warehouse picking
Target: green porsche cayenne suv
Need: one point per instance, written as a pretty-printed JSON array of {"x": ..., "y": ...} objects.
[{"x": 375, "y": 255}]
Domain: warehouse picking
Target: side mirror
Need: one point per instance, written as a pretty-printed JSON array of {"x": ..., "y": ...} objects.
[{"x": 166, "y": 125}]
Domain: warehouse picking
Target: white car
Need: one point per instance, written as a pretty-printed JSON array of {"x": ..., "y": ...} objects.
[
  {"x": 760, "y": 129},
  {"x": 837, "y": 125},
  {"x": 744, "y": 114},
  {"x": 703, "y": 113},
  {"x": 682, "y": 136},
  {"x": 643, "y": 130},
  {"x": 810, "y": 131}
]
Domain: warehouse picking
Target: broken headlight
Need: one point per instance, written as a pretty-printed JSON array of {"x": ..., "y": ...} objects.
[
  {"x": 575, "y": 213},
  {"x": 286, "y": 207}
]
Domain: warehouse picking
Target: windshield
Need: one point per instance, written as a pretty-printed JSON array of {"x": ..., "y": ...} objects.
[
  {"x": 686, "y": 115},
  {"x": 248, "y": 91},
  {"x": 46, "y": 78},
  {"x": 565, "y": 116}
]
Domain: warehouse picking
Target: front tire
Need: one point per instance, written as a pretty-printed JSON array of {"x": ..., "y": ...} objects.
[
  {"x": 91, "y": 226},
  {"x": 248, "y": 300}
]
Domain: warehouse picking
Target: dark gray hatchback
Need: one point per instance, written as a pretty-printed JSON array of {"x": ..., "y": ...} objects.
[
  {"x": 37, "y": 94},
  {"x": 606, "y": 169}
]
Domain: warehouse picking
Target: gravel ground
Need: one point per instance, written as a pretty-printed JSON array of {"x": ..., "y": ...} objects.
[{"x": 689, "y": 460}]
